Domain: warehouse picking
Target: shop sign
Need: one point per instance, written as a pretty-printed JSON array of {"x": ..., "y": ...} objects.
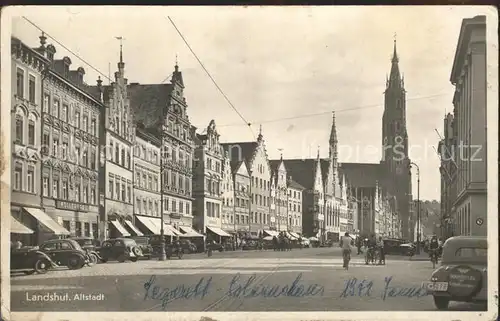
[{"x": 72, "y": 206}]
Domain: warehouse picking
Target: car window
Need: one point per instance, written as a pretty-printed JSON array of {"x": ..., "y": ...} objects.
[
  {"x": 470, "y": 252},
  {"x": 65, "y": 246},
  {"x": 48, "y": 246}
]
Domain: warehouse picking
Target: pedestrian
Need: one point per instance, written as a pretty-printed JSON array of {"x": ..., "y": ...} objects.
[
  {"x": 381, "y": 249},
  {"x": 345, "y": 244}
]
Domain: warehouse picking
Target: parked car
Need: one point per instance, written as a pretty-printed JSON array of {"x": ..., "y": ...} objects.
[
  {"x": 65, "y": 252},
  {"x": 462, "y": 275},
  {"x": 215, "y": 246},
  {"x": 398, "y": 247},
  {"x": 30, "y": 260},
  {"x": 143, "y": 243},
  {"x": 120, "y": 249},
  {"x": 90, "y": 246}
]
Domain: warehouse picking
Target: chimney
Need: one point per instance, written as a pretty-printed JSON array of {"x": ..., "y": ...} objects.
[
  {"x": 81, "y": 73},
  {"x": 43, "y": 41},
  {"x": 51, "y": 51},
  {"x": 99, "y": 88}
]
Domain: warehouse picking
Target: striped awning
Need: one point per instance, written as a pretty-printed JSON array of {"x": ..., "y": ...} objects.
[
  {"x": 17, "y": 227},
  {"x": 133, "y": 228},
  {"x": 120, "y": 228},
  {"x": 47, "y": 221},
  {"x": 189, "y": 231}
]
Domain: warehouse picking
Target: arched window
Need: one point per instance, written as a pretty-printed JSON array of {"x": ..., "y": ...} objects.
[
  {"x": 19, "y": 128},
  {"x": 123, "y": 158},
  {"x": 117, "y": 124}
]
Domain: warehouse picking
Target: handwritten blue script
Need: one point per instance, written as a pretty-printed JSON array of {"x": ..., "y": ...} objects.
[
  {"x": 181, "y": 291},
  {"x": 248, "y": 288},
  {"x": 360, "y": 288}
]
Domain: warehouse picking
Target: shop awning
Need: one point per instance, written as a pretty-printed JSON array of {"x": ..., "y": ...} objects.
[
  {"x": 133, "y": 228},
  {"x": 271, "y": 233},
  {"x": 189, "y": 232},
  {"x": 17, "y": 227},
  {"x": 290, "y": 236},
  {"x": 47, "y": 221},
  {"x": 218, "y": 231},
  {"x": 149, "y": 224},
  {"x": 120, "y": 228},
  {"x": 172, "y": 230},
  {"x": 295, "y": 235}
]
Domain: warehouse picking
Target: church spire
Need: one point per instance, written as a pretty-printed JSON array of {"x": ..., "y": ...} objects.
[
  {"x": 333, "y": 138},
  {"x": 395, "y": 76},
  {"x": 259, "y": 138}
]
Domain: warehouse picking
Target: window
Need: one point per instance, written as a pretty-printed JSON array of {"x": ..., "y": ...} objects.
[
  {"x": 77, "y": 192},
  {"x": 46, "y": 103},
  {"x": 150, "y": 182},
  {"x": 128, "y": 159},
  {"x": 93, "y": 127},
  {"x": 85, "y": 194},
  {"x": 129, "y": 193},
  {"x": 117, "y": 125},
  {"x": 110, "y": 186},
  {"x": 18, "y": 177},
  {"x": 77, "y": 119},
  {"x": 55, "y": 187},
  {"x": 78, "y": 229},
  {"x": 92, "y": 160},
  {"x": 31, "y": 132},
  {"x": 45, "y": 186},
  {"x": 181, "y": 207},
  {"x": 117, "y": 189},
  {"x": 144, "y": 206},
  {"x": 55, "y": 110},
  {"x": 65, "y": 189},
  {"x": 32, "y": 89},
  {"x": 77, "y": 155},
  {"x": 92, "y": 195},
  {"x": 94, "y": 230},
  {"x": 64, "y": 150},
  {"x": 19, "y": 129},
  {"x": 117, "y": 154},
  {"x": 20, "y": 83},
  {"x": 138, "y": 179},
  {"x": 85, "y": 158},
  {"x": 87, "y": 229},
  {"x": 124, "y": 196},
  {"x": 64, "y": 112},
  {"x": 55, "y": 147},
  {"x": 85, "y": 123},
  {"x": 123, "y": 158}
]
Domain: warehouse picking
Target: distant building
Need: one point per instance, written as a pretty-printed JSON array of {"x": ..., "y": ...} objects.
[
  {"x": 279, "y": 197},
  {"x": 255, "y": 156},
  {"x": 294, "y": 213},
  {"x": 468, "y": 75},
  {"x": 228, "y": 195},
  {"x": 242, "y": 197}
]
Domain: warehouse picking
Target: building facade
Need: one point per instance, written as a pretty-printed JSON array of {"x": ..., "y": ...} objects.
[
  {"x": 448, "y": 171},
  {"x": 207, "y": 179},
  {"x": 255, "y": 156},
  {"x": 28, "y": 67},
  {"x": 242, "y": 205},
  {"x": 279, "y": 197},
  {"x": 228, "y": 195},
  {"x": 294, "y": 213},
  {"x": 468, "y": 75},
  {"x": 163, "y": 108},
  {"x": 70, "y": 175},
  {"x": 147, "y": 194}
]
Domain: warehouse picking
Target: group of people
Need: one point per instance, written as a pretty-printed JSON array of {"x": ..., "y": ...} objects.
[{"x": 368, "y": 246}]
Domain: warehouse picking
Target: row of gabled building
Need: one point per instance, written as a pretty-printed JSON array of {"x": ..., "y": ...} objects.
[{"x": 109, "y": 160}]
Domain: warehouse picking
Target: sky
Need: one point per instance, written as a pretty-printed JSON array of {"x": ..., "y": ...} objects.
[{"x": 285, "y": 69}]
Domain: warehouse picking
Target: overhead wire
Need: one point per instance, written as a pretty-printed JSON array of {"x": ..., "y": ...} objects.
[{"x": 247, "y": 123}]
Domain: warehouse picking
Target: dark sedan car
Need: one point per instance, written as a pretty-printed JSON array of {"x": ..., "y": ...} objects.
[
  {"x": 30, "y": 260},
  {"x": 143, "y": 243},
  {"x": 66, "y": 252},
  {"x": 120, "y": 249}
]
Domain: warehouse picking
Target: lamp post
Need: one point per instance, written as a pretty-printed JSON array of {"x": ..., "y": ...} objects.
[
  {"x": 418, "y": 206},
  {"x": 163, "y": 254}
]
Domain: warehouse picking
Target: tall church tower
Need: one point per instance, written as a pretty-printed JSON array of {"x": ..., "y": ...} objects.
[
  {"x": 395, "y": 158},
  {"x": 333, "y": 155}
]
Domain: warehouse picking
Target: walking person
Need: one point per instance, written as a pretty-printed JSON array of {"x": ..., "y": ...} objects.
[
  {"x": 345, "y": 244},
  {"x": 380, "y": 245}
]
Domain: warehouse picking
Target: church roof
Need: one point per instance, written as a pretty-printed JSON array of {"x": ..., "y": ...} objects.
[
  {"x": 293, "y": 184},
  {"x": 362, "y": 174},
  {"x": 302, "y": 171},
  {"x": 325, "y": 165}
]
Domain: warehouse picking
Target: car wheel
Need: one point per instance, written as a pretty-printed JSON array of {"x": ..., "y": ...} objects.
[
  {"x": 93, "y": 259},
  {"x": 133, "y": 259},
  {"x": 121, "y": 258},
  {"x": 42, "y": 266},
  {"x": 75, "y": 262},
  {"x": 441, "y": 302}
]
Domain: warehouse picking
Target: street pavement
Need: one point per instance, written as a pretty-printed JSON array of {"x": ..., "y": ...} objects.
[{"x": 298, "y": 280}]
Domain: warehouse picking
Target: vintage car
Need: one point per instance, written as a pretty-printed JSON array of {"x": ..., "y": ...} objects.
[
  {"x": 90, "y": 246},
  {"x": 143, "y": 243},
  {"x": 398, "y": 247},
  {"x": 65, "y": 252},
  {"x": 462, "y": 275},
  {"x": 30, "y": 260},
  {"x": 188, "y": 246},
  {"x": 120, "y": 249}
]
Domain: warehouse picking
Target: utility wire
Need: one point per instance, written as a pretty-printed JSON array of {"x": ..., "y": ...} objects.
[
  {"x": 247, "y": 123},
  {"x": 69, "y": 50},
  {"x": 330, "y": 112}
]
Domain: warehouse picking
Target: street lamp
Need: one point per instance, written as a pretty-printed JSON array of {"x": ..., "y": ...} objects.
[
  {"x": 418, "y": 206},
  {"x": 163, "y": 254}
]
